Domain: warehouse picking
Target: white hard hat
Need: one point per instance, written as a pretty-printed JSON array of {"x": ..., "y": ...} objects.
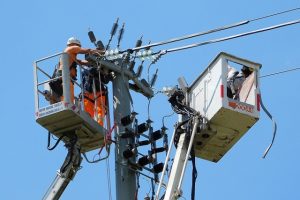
[
  {"x": 232, "y": 72},
  {"x": 73, "y": 40}
]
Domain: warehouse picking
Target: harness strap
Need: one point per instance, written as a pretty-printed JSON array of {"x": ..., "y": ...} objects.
[{"x": 92, "y": 100}]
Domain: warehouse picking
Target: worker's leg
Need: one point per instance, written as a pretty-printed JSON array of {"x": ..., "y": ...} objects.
[
  {"x": 88, "y": 104},
  {"x": 101, "y": 108}
]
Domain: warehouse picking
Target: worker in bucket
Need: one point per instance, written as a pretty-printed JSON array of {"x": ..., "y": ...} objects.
[
  {"x": 73, "y": 49},
  {"x": 235, "y": 80},
  {"x": 95, "y": 92}
]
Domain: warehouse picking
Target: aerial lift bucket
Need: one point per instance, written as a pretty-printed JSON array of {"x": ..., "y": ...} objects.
[
  {"x": 65, "y": 118},
  {"x": 227, "y": 119}
]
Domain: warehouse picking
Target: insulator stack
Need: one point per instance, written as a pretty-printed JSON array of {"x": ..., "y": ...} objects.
[
  {"x": 142, "y": 128},
  {"x": 114, "y": 28},
  {"x": 139, "y": 42},
  {"x": 153, "y": 80},
  {"x": 143, "y": 143},
  {"x": 128, "y": 153},
  {"x": 158, "y": 150},
  {"x": 158, "y": 168},
  {"x": 128, "y": 119},
  {"x": 92, "y": 36},
  {"x": 156, "y": 135},
  {"x": 121, "y": 33},
  {"x": 145, "y": 160}
]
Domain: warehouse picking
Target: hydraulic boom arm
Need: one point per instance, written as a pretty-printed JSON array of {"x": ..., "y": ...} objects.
[{"x": 66, "y": 173}]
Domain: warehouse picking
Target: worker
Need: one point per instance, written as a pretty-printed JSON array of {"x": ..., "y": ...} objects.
[
  {"x": 95, "y": 92},
  {"x": 235, "y": 80},
  {"x": 246, "y": 71},
  {"x": 73, "y": 48}
]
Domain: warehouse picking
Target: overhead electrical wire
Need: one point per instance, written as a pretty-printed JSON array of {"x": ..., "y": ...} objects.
[
  {"x": 229, "y": 37},
  {"x": 213, "y": 30},
  {"x": 280, "y": 72}
]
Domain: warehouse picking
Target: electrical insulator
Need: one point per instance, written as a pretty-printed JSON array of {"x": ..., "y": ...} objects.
[
  {"x": 144, "y": 142},
  {"x": 92, "y": 36},
  {"x": 156, "y": 58},
  {"x": 156, "y": 135},
  {"x": 139, "y": 70},
  {"x": 153, "y": 80},
  {"x": 142, "y": 128},
  {"x": 128, "y": 119},
  {"x": 158, "y": 150},
  {"x": 114, "y": 28},
  {"x": 139, "y": 42},
  {"x": 145, "y": 83},
  {"x": 158, "y": 168},
  {"x": 147, "y": 198},
  {"x": 145, "y": 160},
  {"x": 100, "y": 45},
  {"x": 128, "y": 153},
  {"x": 121, "y": 33}
]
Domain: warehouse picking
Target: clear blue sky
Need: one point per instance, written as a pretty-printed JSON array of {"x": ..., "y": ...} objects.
[{"x": 34, "y": 29}]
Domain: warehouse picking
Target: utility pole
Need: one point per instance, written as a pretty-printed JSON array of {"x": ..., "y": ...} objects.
[{"x": 125, "y": 177}]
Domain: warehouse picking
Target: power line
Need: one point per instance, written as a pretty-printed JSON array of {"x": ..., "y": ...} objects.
[
  {"x": 213, "y": 30},
  {"x": 229, "y": 37},
  {"x": 278, "y": 13},
  {"x": 280, "y": 72}
]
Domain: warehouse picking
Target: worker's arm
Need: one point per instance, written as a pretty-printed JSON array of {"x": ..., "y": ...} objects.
[
  {"x": 74, "y": 50},
  {"x": 83, "y": 62},
  {"x": 77, "y": 50}
]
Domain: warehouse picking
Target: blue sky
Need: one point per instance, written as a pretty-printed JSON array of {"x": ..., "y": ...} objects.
[{"x": 34, "y": 29}]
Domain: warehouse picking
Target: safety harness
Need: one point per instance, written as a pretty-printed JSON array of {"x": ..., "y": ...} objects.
[{"x": 56, "y": 85}]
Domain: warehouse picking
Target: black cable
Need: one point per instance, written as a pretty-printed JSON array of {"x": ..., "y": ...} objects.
[
  {"x": 212, "y": 30},
  {"x": 194, "y": 173},
  {"x": 274, "y": 128},
  {"x": 70, "y": 157},
  {"x": 230, "y": 37},
  {"x": 163, "y": 119},
  {"x": 178, "y": 133},
  {"x": 162, "y": 197},
  {"x": 70, "y": 146},
  {"x": 178, "y": 106},
  {"x": 57, "y": 142}
]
